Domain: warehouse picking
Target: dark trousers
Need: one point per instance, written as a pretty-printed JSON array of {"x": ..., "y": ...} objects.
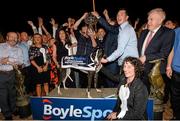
[
  {"x": 83, "y": 79},
  {"x": 27, "y": 81},
  {"x": 167, "y": 87},
  {"x": 7, "y": 93},
  {"x": 145, "y": 80},
  {"x": 114, "y": 69},
  {"x": 175, "y": 94},
  {"x": 110, "y": 75}
]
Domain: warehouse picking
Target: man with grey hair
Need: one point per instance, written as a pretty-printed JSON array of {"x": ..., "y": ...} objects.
[
  {"x": 10, "y": 55},
  {"x": 155, "y": 42}
]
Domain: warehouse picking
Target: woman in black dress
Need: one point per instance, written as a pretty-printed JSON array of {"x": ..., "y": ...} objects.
[
  {"x": 63, "y": 44},
  {"x": 38, "y": 54}
]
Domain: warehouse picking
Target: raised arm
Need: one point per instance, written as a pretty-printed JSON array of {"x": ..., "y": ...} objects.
[
  {"x": 33, "y": 27},
  {"x": 105, "y": 24},
  {"x": 54, "y": 26},
  {"x": 40, "y": 22},
  {"x": 108, "y": 19},
  {"x": 80, "y": 20}
]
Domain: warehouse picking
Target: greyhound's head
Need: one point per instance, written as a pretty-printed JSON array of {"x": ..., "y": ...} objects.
[{"x": 97, "y": 55}]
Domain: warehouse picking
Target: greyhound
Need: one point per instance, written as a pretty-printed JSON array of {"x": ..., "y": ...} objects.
[
  {"x": 93, "y": 75},
  {"x": 95, "y": 58}
]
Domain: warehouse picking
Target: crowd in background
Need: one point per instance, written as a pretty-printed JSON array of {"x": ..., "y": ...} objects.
[{"x": 39, "y": 55}]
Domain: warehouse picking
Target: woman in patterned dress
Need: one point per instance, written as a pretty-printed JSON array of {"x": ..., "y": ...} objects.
[{"x": 54, "y": 63}]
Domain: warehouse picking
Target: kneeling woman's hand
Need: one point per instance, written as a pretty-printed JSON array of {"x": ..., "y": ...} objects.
[{"x": 112, "y": 116}]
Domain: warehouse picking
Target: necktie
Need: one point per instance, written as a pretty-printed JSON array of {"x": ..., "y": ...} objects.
[{"x": 149, "y": 39}]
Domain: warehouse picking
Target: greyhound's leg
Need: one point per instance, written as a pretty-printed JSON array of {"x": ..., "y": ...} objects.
[
  {"x": 60, "y": 80},
  {"x": 68, "y": 72},
  {"x": 64, "y": 83},
  {"x": 96, "y": 82},
  {"x": 90, "y": 78},
  {"x": 58, "y": 87},
  {"x": 76, "y": 76},
  {"x": 59, "y": 90},
  {"x": 70, "y": 78},
  {"x": 64, "y": 77},
  {"x": 58, "y": 84}
]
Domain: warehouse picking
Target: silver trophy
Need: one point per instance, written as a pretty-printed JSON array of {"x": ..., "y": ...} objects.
[{"x": 91, "y": 20}]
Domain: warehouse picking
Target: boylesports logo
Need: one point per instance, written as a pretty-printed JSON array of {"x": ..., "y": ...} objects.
[{"x": 87, "y": 112}]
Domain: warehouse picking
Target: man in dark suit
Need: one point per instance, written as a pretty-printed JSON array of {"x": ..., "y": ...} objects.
[
  {"x": 154, "y": 43},
  {"x": 161, "y": 43}
]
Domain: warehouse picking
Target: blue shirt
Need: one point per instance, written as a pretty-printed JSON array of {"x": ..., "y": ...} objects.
[
  {"x": 127, "y": 44},
  {"x": 176, "y": 58},
  {"x": 14, "y": 54},
  {"x": 24, "y": 47}
]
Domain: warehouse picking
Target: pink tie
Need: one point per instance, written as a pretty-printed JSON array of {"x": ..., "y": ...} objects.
[{"x": 149, "y": 39}]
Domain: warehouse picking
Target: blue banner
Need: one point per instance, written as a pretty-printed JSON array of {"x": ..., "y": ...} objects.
[
  {"x": 71, "y": 108},
  {"x": 58, "y": 108}
]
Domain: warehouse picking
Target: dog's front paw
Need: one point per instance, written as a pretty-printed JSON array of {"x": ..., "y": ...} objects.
[
  {"x": 65, "y": 88},
  {"x": 59, "y": 91},
  {"x": 88, "y": 94},
  {"x": 98, "y": 90}
]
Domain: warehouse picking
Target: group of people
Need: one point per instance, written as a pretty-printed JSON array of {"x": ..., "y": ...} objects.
[
  {"x": 126, "y": 63},
  {"x": 155, "y": 42}
]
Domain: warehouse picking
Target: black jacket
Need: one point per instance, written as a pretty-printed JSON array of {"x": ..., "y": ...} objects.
[
  {"x": 136, "y": 102},
  {"x": 110, "y": 42}
]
